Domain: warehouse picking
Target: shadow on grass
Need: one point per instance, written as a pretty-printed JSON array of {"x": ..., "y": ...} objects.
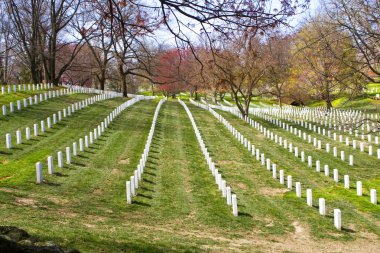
[
  {"x": 150, "y": 173},
  {"x": 59, "y": 174},
  {"x": 79, "y": 164},
  {"x": 145, "y": 196},
  {"x": 244, "y": 214},
  {"x": 348, "y": 230},
  {"x": 148, "y": 181},
  {"x": 49, "y": 183},
  {"x": 146, "y": 189},
  {"x": 141, "y": 203},
  {"x": 153, "y": 162}
]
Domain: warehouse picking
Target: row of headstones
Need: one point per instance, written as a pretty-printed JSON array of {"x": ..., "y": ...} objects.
[
  {"x": 323, "y": 113},
  {"x": 337, "y": 124},
  {"x": 226, "y": 191},
  {"x": 83, "y": 142},
  {"x": 320, "y": 116},
  {"x": 323, "y": 132},
  {"x": 318, "y": 143},
  {"x": 34, "y": 100},
  {"x": 81, "y": 89},
  {"x": 261, "y": 157},
  {"x": 274, "y": 137},
  {"x": 300, "y": 120},
  {"x": 57, "y": 117},
  {"x": 25, "y": 87},
  {"x": 330, "y": 125},
  {"x": 133, "y": 184}
]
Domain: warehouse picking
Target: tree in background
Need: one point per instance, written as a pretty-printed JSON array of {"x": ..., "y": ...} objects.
[
  {"x": 173, "y": 73},
  {"x": 279, "y": 70},
  {"x": 242, "y": 65},
  {"x": 359, "y": 20},
  {"x": 322, "y": 52}
]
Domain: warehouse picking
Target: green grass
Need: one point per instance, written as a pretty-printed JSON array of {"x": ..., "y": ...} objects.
[
  {"x": 19, "y": 95},
  {"x": 178, "y": 207}
]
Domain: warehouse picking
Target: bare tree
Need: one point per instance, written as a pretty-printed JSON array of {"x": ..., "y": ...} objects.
[
  {"x": 279, "y": 70},
  {"x": 242, "y": 66},
  {"x": 26, "y": 16},
  {"x": 360, "y": 21},
  {"x": 321, "y": 56},
  {"x": 7, "y": 44}
]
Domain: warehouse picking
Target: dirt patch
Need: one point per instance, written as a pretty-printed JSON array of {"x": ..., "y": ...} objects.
[
  {"x": 96, "y": 218},
  {"x": 124, "y": 161},
  {"x": 272, "y": 191},
  {"x": 98, "y": 191},
  {"x": 5, "y": 178},
  {"x": 6, "y": 190},
  {"x": 26, "y": 202},
  {"x": 4, "y": 162},
  {"x": 57, "y": 201},
  {"x": 67, "y": 213},
  {"x": 301, "y": 230},
  {"x": 225, "y": 162},
  {"x": 89, "y": 225},
  {"x": 115, "y": 171},
  {"x": 299, "y": 241},
  {"x": 242, "y": 186}
]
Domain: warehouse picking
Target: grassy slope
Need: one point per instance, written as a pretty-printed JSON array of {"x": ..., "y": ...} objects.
[
  {"x": 19, "y": 95},
  {"x": 178, "y": 207}
]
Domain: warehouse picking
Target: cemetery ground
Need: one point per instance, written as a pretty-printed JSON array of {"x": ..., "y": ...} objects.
[{"x": 178, "y": 207}]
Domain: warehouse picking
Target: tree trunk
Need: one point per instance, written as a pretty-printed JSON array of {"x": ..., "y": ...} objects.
[
  {"x": 221, "y": 96},
  {"x": 123, "y": 78},
  {"x": 328, "y": 104}
]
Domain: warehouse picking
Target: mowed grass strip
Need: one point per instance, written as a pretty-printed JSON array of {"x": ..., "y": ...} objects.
[
  {"x": 85, "y": 205},
  {"x": 336, "y": 196},
  {"x": 20, "y": 95},
  {"x": 363, "y": 169},
  {"x": 34, "y": 114},
  {"x": 18, "y": 164}
]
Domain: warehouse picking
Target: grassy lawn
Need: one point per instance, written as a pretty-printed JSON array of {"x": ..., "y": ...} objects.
[{"x": 178, "y": 207}]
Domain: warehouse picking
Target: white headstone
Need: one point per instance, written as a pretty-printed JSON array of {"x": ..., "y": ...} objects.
[
  {"x": 346, "y": 181},
  {"x": 234, "y": 205},
  {"x": 27, "y": 133},
  {"x": 282, "y": 181},
  {"x": 359, "y": 188},
  {"x": 373, "y": 196},
  {"x": 228, "y": 195},
  {"x": 322, "y": 206},
  {"x": 309, "y": 197},
  {"x": 129, "y": 193},
  {"x": 298, "y": 189},
  {"x": 8, "y": 141},
  {"x": 337, "y": 219},
  {"x": 60, "y": 159},
  {"x": 336, "y": 175},
  {"x": 18, "y": 137},
  {"x": 35, "y": 127},
  {"x": 290, "y": 183},
  {"x": 50, "y": 165},
  {"x": 39, "y": 172},
  {"x": 326, "y": 170}
]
